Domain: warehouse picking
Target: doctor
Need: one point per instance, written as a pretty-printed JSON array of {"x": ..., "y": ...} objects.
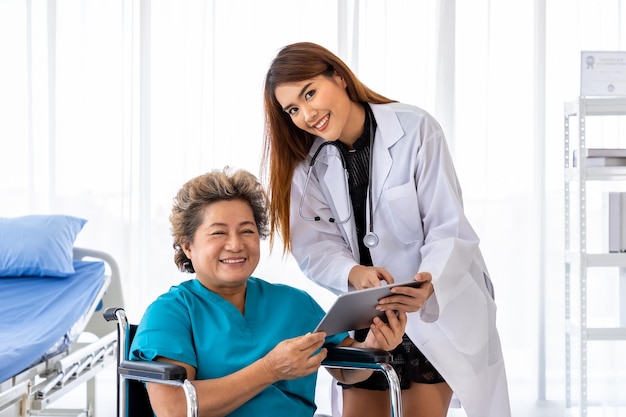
[{"x": 363, "y": 192}]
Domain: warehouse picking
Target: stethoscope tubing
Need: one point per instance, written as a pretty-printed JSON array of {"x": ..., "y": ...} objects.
[
  {"x": 308, "y": 178},
  {"x": 370, "y": 240}
]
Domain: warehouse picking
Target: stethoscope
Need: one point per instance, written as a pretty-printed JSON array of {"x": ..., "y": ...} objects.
[{"x": 370, "y": 240}]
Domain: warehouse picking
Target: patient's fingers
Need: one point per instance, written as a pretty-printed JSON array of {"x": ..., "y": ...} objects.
[
  {"x": 387, "y": 335},
  {"x": 311, "y": 340},
  {"x": 395, "y": 327},
  {"x": 297, "y": 357},
  {"x": 396, "y": 320}
]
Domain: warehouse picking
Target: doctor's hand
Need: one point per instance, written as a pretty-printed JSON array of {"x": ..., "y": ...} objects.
[
  {"x": 408, "y": 299},
  {"x": 361, "y": 277},
  {"x": 295, "y": 358},
  {"x": 386, "y": 336}
]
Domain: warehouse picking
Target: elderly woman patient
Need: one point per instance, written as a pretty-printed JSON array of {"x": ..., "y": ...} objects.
[{"x": 246, "y": 343}]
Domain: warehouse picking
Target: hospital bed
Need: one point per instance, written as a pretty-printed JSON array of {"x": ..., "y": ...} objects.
[{"x": 53, "y": 338}]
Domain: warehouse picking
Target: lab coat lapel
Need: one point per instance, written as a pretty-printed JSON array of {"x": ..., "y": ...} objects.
[{"x": 388, "y": 132}]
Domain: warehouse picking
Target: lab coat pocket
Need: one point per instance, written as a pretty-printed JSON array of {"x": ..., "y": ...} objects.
[
  {"x": 401, "y": 203},
  {"x": 465, "y": 319}
]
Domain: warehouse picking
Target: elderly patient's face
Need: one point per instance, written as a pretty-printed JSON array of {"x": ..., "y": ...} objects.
[{"x": 226, "y": 248}]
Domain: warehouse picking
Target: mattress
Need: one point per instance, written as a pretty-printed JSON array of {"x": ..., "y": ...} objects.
[{"x": 42, "y": 316}]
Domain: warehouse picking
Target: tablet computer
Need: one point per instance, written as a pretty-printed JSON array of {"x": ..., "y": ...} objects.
[{"x": 356, "y": 309}]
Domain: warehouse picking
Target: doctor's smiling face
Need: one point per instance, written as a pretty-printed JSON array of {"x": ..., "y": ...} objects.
[
  {"x": 225, "y": 248},
  {"x": 321, "y": 106}
]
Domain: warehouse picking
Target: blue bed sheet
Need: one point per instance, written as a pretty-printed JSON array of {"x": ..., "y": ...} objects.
[{"x": 36, "y": 313}]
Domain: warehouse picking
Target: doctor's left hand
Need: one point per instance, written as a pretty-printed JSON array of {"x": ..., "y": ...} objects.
[{"x": 408, "y": 299}]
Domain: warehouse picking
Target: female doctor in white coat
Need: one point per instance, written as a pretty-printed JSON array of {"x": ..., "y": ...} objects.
[{"x": 363, "y": 190}]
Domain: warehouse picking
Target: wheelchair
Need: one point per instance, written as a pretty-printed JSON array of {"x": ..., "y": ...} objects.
[{"x": 132, "y": 397}]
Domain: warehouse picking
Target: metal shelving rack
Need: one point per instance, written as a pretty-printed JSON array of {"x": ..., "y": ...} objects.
[{"x": 577, "y": 261}]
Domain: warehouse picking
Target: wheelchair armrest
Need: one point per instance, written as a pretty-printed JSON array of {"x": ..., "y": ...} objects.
[
  {"x": 361, "y": 358},
  {"x": 339, "y": 354},
  {"x": 152, "y": 371}
]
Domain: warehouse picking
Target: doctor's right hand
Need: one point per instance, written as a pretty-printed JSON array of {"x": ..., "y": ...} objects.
[{"x": 361, "y": 277}]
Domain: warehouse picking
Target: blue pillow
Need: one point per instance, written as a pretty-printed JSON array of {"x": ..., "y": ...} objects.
[{"x": 38, "y": 245}]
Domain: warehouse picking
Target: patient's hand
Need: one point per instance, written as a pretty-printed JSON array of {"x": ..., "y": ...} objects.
[
  {"x": 386, "y": 336},
  {"x": 295, "y": 358}
]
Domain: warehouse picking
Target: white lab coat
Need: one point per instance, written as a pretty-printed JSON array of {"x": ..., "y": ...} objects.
[{"x": 419, "y": 219}]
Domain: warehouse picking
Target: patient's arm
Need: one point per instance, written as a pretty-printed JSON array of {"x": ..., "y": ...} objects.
[
  {"x": 290, "y": 359},
  {"x": 385, "y": 336}
]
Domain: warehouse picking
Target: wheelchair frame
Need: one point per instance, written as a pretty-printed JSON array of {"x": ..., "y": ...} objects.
[{"x": 168, "y": 373}]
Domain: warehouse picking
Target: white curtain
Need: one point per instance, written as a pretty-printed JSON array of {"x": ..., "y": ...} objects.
[{"x": 108, "y": 107}]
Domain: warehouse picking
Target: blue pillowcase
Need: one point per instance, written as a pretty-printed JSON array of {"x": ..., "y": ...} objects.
[{"x": 38, "y": 245}]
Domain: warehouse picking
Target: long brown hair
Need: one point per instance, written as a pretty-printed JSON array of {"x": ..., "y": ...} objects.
[{"x": 284, "y": 143}]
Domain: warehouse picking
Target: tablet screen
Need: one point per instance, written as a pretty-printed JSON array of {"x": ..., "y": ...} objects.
[{"x": 356, "y": 309}]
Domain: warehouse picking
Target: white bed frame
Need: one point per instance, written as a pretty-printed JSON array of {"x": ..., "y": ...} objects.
[{"x": 33, "y": 391}]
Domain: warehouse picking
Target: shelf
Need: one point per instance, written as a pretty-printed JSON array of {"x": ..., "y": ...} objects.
[
  {"x": 598, "y": 259},
  {"x": 597, "y": 174},
  {"x": 578, "y": 262},
  {"x": 597, "y": 333},
  {"x": 597, "y": 106}
]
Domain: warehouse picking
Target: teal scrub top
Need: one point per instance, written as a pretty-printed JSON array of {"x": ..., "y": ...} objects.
[{"x": 194, "y": 325}]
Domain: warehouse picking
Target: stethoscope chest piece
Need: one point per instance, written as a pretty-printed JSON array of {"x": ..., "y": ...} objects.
[{"x": 370, "y": 240}]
